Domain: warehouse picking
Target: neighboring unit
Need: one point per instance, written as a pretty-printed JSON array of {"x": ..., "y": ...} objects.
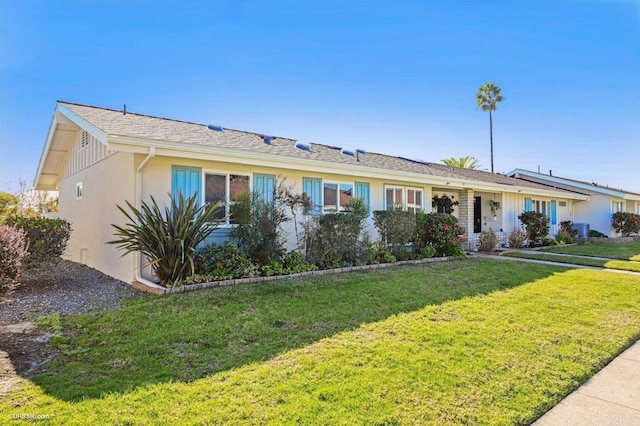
[
  {"x": 597, "y": 211},
  {"x": 98, "y": 158}
]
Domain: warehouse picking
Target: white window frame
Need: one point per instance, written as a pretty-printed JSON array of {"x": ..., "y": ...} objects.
[
  {"x": 404, "y": 202},
  {"x": 617, "y": 206},
  {"x": 79, "y": 190},
  {"x": 227, "y": 189},
  {"x": 339, "y": 208},
  {"x": 541, "y": 206}
]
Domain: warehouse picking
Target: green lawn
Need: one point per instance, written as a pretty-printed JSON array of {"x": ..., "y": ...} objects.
[
  {"x": 622, "y": 265},
  {"x": 474, "y": 341},
  {"x": 627, "y": 251}
]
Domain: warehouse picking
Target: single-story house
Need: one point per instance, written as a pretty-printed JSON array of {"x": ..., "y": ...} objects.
[
  {"x": 596, "y": 212},
  {"x": 97, "y": 158}
]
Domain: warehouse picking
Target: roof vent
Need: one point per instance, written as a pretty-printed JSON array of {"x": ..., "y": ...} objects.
[
  {"x": 348, "y": 152},
  {"x": 267, "y": 139},
  {"x": 303, "y": 146},
  {"x": 215, "y": 128}
]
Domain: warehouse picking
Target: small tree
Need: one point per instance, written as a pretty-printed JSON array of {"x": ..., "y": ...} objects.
[
  {"x": 626, "y": 223},
  {"x": 168, "y": 239},
  {"x": 536, "y": 226}
]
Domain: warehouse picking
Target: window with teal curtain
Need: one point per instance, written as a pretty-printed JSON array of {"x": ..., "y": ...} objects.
[
  {"x": 554, "y": 212},
  {"x": 313, "y": 188},
  {"x": 528, "y": 206},
  {"x": 362, "y": 191},
  {"x": 186, "y": 181},
  {"x": 265, "y": 185}
]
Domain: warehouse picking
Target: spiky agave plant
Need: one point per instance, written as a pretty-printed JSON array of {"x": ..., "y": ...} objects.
[{"x": 168, "y": 239}]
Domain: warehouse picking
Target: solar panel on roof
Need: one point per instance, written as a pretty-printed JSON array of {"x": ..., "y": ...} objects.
[
  {"x": 413, "y": 161},
  {"x": 333, "y": 147},
  {"x": 215, "y": 127},
  {"x": 361, "y": 151},
  {"x": 267, "y": 139},
  {"x": 349, "y": 153}
]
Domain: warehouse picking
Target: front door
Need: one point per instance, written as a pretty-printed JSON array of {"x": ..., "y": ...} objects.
[{"x": 477, "y": 215}]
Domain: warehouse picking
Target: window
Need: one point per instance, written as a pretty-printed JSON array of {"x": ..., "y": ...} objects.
[
  {"x": 562, "y": 204},
  {"x": 224, "y": 188},
  {"x": 337, "y": 196},
  {"x": 547, "y": 208},
  {"x": 617, "y": 206},
  {"x": 333, "y": 197},
  {"x": 400, "y": 197},
  {"x": 79, "y": 191}
]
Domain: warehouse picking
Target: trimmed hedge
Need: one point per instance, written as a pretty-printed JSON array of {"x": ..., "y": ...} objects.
[{"x": 47, "y": 238}]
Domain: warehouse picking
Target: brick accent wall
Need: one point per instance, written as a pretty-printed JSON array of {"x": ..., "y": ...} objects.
[{"x": 465, "y": 215}]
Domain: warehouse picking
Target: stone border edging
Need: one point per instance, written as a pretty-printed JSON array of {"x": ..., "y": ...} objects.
[{"x": 162, "y": 291}]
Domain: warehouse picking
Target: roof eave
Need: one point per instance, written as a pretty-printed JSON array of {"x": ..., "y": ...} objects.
[
  {"x": 168, "y": 148},
  {"x": 45, "y": 151}
]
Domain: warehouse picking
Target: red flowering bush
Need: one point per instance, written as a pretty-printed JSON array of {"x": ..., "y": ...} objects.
[
  {"x": 13, "y": 248},
  {"x": 626, "y": 223},
  {"x": 440, "y": 231}
]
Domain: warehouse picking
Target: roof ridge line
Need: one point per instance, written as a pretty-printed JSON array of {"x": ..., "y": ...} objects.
[{"x": 170, "y": 119}]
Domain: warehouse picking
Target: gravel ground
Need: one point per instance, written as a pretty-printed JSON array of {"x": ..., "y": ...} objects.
[{"x": 67, "y": 288}]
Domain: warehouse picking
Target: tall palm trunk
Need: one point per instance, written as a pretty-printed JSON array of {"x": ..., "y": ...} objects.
[{"x": 491, "y": 138}]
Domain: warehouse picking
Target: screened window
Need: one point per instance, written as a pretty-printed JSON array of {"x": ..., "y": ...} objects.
[
  {"x": 225, "y": 189},
  {"x": 403, "y": 198}
]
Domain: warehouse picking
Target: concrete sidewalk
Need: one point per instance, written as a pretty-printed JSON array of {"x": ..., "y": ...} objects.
[{"x": 611, "y": 397}]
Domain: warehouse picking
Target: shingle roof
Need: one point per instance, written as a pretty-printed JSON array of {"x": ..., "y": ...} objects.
[
  {"x": 116, "y": 123},
  {"x": 581, "y": 182}
]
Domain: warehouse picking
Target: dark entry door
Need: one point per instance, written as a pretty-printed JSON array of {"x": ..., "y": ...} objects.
[{"x": 477, "y": 215}]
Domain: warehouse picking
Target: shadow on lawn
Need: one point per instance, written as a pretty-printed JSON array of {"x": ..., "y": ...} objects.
[{"x": 186, "y": 337}]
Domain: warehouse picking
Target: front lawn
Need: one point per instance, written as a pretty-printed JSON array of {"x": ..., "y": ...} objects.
[
  {"x": 475, "y": 341},
  {"x": 621, "y": 265},
  {"x": 626, "y": 251}
]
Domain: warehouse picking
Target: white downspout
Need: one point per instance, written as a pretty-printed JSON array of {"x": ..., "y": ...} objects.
[{"x": 137, "y": 256}]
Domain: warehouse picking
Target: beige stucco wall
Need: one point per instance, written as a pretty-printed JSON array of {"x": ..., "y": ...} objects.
[
  {"x": 105, "y": 185},
  {"x": 156, "y": 181},
  {"x": 596, "y": 212}
]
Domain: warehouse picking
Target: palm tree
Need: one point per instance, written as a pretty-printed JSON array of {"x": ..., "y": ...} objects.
[
  {"x": 488, "y": 98},
  {"x": 464, "y": 162}
]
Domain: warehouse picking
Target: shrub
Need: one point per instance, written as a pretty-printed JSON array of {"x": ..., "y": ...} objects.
[
  {"x": 224, "y": 262},
  {"x": 516, "y": 238},
  {"x": 47, "y": 238},
  {"x": 377, "y": 253},
  {"x": 567, "y": 233},
  {"x": 8, "y": 205},
  {"x": 397, "y": 229},
  {"x": 626, "y": 223},
  {"x": 596, "y": 234},
  {"x": 440, "y": 231},
  {"x": 427, "y": 252},
  {"x": 292, "y": 263},
  {"x": 257, "y": 233},
  {"x": 488, "y": 241},
  {"x": 536, "y": 226},
  {"x": 168, "y": 239},
  {"x": 13, "y": 249},
  {"x": 548, "y": 241},
  {"x": 337, "y": 239}
]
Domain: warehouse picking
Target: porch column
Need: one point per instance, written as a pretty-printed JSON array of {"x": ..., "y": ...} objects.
[{"x": 465, "y": 215}]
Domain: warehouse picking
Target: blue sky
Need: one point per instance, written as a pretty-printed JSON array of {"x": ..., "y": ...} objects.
[{"x": 386, "y": 76}]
